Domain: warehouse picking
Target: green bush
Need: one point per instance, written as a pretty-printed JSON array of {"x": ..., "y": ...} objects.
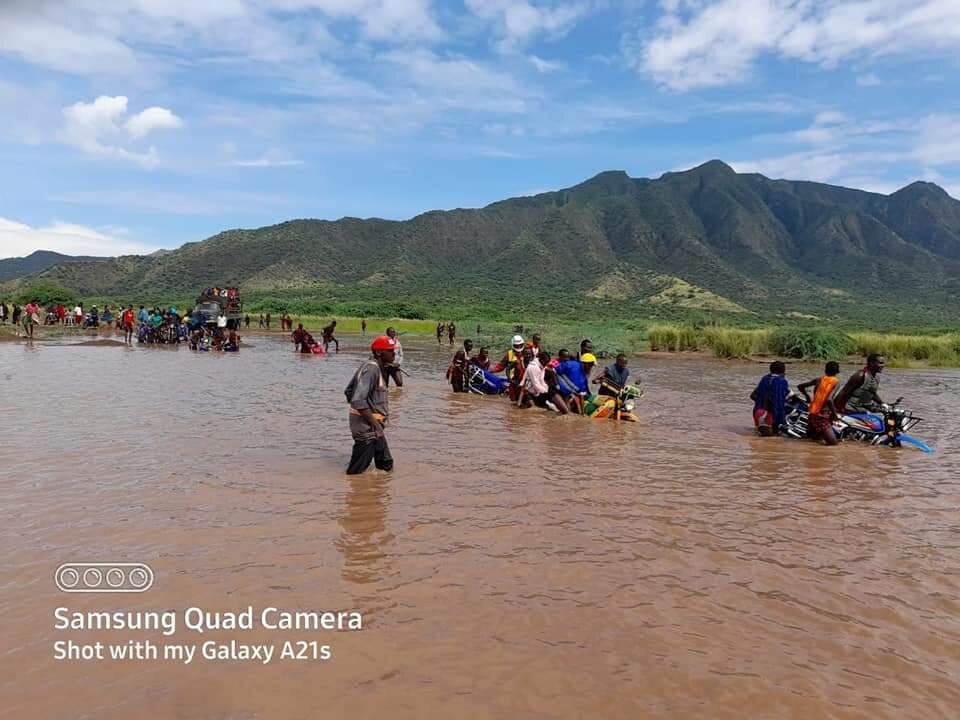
[
  {"x": 47, "y": 294},
  {"x": 811, "y": 343}
]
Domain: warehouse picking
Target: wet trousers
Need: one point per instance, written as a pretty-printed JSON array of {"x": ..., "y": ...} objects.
[{"x": 375, "y": 449}]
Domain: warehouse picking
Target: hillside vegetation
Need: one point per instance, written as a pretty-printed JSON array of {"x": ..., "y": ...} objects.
[{"x": 706, "y": 242}]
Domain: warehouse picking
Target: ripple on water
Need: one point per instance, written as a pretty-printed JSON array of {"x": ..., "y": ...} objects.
[{"x": 515, "y": 563}]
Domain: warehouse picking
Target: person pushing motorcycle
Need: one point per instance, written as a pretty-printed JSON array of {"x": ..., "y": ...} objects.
[{"x": 860, "y": 394}]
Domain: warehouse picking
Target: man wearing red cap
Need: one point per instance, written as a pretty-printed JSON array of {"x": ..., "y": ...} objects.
[{"x": 367, "y": 395}]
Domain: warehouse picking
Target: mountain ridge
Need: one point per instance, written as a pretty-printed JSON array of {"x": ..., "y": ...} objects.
[{"x": 739, "y": 241}]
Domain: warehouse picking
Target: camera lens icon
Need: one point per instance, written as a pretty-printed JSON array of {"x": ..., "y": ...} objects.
[{"x": 104, "y": 577}]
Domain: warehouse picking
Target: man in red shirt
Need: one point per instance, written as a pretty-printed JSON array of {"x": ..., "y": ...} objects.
[{"x": 126, "y": 322}]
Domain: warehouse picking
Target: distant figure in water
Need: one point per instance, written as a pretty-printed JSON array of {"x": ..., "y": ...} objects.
[
  {"x": 452, "y": 332},
  {"x": 363, "y": 326},
  {"x": 394, "y": 371},
  {"x": 457, "y": 370},
  {"x": 328, "y": 336},
  {"x": 478, "y": 329},
  {"x": 268, "y": 321},
  {"x": 441, "y": 329},
  {"x": 246, "y": 321},
  {"x": 261, "y": 321},
  {"x": 297, "y": 337},
  {"x": 369, "y": 408}
]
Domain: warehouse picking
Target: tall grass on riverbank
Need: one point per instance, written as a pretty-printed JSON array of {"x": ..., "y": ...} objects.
[
  {"x": 908, "y": 350},
  {"x": 807, "y": 344}
]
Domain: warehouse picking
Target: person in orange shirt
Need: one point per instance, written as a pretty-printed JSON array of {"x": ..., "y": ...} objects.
[{"x": 822, "y": 411}]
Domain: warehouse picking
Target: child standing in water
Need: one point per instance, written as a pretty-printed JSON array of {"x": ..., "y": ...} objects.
[{"x": 822, "y": 411}]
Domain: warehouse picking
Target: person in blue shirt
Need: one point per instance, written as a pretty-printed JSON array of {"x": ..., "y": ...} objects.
[
  {"x": 769, "y": 400},
  {"x": 573, "y": 378},
  {"x": 617, "y": 373},
  {"x": 143, "y": 315}
]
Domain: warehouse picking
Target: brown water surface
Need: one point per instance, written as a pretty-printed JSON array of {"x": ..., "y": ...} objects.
[{"x": 515, "y": 565}]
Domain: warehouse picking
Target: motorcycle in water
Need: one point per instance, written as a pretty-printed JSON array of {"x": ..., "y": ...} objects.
[
  {"x": 484, "y": 382},
  {"x": 887, "y": 426},
  {"x": 619, "y": 403}
]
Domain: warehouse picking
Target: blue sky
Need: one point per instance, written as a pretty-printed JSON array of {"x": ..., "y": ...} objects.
[{"x": 134, "y": 125}]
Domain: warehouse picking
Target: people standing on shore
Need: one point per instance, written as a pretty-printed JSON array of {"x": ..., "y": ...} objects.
[
  {"x": 15, "y": 315},
  {"x": 369, "y": 409},
  {"x": 261, "y": 321},
  {"x": 246, "y": 321},
  {"x": 78, "y": 315},
  {"x": 451, "y": 331},
  {"x": 3, "y": 313},
  {"x": 441, "y": 328},
  {"x": 268, "y": 321},
  {"x": 363, "y": 326}
]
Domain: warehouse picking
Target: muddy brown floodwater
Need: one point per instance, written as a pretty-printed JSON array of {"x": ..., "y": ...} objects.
[{"x": 515, "y": 565}]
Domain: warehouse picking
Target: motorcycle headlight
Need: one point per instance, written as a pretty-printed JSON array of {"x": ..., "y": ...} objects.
[{"x": 629, "y": 405}]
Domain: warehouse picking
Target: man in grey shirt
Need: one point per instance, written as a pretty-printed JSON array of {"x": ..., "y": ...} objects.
[{"x": 369, "y": 409}]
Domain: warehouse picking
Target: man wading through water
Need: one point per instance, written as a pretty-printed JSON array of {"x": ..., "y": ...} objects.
[{"x": 367, "y": 395}]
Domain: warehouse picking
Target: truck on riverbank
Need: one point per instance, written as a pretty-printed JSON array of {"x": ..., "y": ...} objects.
[{"x": 216, "y": 300}]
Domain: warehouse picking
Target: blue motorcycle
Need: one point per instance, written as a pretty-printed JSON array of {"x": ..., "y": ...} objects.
[{"x": 887, "y": 425}]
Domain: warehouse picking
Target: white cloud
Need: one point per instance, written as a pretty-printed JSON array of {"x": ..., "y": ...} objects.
[
  {"x": 86, "y": 37},
  {"x": 868, "y": 80},
  {"x": 702, "y": 43},
  {"x": 458, "y": 82},
  {"x": 270, "y": 159},
  {"x": 98, "y": 128},
  {"x": 380, "y": 19},
  {"x": 546, "y": 66},
  {"x": 18, "y": 239},
  {"x": 517, "y": 21},
  {"x": 937, "y": 140},
  {"x": 154, "y": 118},
  {"x": 53, "y": 42}
]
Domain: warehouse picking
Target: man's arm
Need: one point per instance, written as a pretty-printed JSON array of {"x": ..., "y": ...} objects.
[{"x": 802, "y": 387}]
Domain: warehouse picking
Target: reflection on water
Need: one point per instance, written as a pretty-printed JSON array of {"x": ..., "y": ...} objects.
[
  {"x": 515, "y": 564},
  {"x": 364, "y": 539}
]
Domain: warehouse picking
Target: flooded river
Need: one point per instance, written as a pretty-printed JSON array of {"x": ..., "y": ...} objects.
[{"x": 516, "y": 564}]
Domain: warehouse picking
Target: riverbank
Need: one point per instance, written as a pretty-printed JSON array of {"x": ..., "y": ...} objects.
[
  {"x": 808, "y": 344},
  {"x": 632, "y": 337}
]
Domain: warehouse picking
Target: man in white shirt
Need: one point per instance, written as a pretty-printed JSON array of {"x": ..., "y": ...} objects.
[
  {"x": 221, "y": 320},
  {"x": 537, "y": 388},
  {"x": 394, "y": 370}
]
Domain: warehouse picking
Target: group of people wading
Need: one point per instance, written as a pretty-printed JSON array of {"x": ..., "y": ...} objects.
[
  {"x": 860, "y": 394},
  {"x": 533, "y": 377}
]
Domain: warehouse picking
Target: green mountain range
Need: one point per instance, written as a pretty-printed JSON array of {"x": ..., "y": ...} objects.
[
  {"x": 708, "y": 240},
  {"x": 35, "y": 262}
]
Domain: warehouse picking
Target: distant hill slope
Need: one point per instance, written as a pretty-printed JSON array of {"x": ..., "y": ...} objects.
[
  {"x": 706, "y": 238},
  {"x": 35, "y": 262}
]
